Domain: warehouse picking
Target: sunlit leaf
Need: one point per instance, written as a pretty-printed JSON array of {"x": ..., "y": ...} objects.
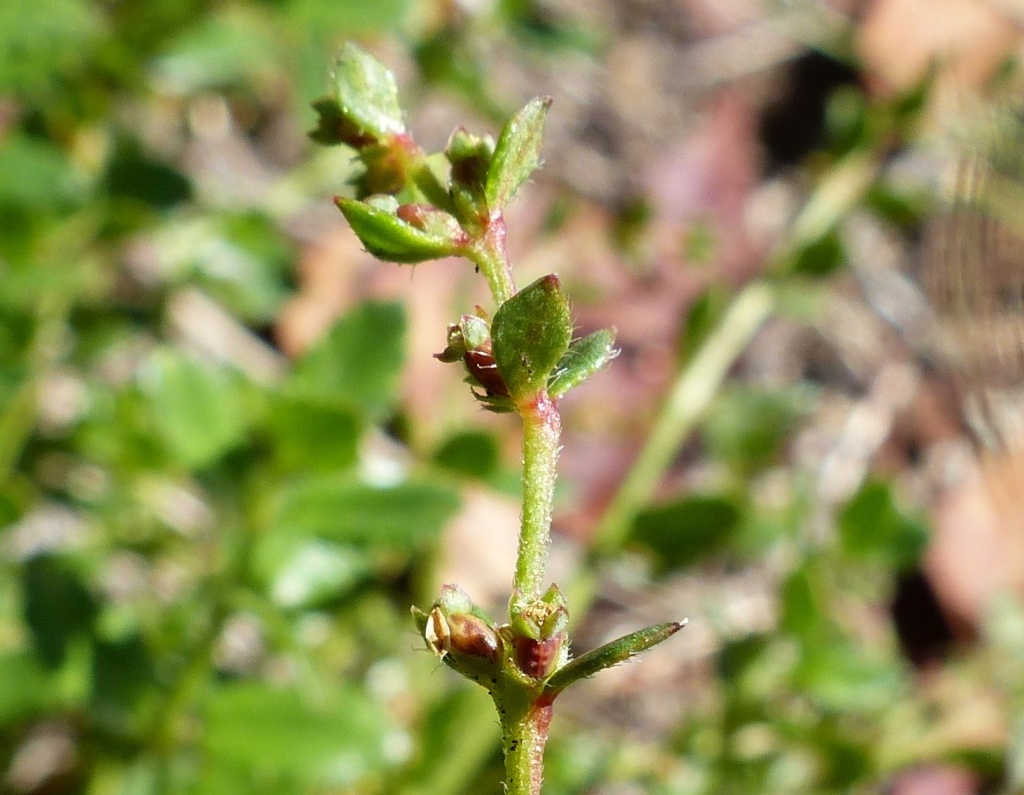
[
  {"x": 517, "y": 153},
  {"x": 531, "y": 333}
]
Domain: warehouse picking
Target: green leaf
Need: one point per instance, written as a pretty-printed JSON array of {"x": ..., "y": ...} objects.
[
  {"x": 846, "y": 677},
  {"x": 37, "y": 175},
  {"x": 366, "y": 92},
  {"x": 804, "y": 603},
  {"x": 473, "y": 454},
  {"x": 357, "y": 363},
  {"x": 873, "y": 529},
  {"x": 702, "y": 319},
  {"x": 517, "y": 153},
  {"x": 332, "y": 740},
  {"x": 331, "y": 18},
  {"x": 460, "y": 719},
  {"x": 26, "y": 687},
  {"x": 584, "y": 358},
  {"x": 686, "y": 530},
  {"x": 133, "y": 175},
  {"x": 392, "y": 239},
  {"x": 821, "y": 257},
  {"x": 314, "y": 435},
  {"x": 42, "y": 41},
  {"x": 308, "y": 573},
  {"x": 531, "y": 333},
  {"x": 229, "y": 46},
  {"x": 354, "y": 513},
  {"x": 610, "y": 654},
  {"x": 196, "y": 409},
  {"x": 58, "y": 608},
  {"x": 748, "y": 427},
  {"x": 123, "y": 683}
]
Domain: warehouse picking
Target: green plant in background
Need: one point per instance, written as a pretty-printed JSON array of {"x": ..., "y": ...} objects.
[
  {"x": 413, "y": 207},
  {"x": 208, "y": 550}
]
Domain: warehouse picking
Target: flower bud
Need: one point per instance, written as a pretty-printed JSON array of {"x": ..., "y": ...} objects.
[
  {"x": 470, "y": 155},
  {"x": 462, "y": 636},
  {"x": 470, "y": 341},
  {"x": 541, "y": 658},
  {"x": 543, "y": 617},
  {"x": 470, "y": 158},
  {"x": 469, "y": 635},
  {"x": 541, "y": 642}
]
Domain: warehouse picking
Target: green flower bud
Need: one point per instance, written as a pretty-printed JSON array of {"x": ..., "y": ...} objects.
[
  {"x": 470, "y": 158},
  {"x": 544, "y": 617}
]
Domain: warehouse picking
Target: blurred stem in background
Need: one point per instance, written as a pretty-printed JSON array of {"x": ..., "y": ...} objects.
[{"x": 840, "y": 190}]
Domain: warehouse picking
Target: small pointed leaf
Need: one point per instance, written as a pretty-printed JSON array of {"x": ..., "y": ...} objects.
[
  {"x": 530, "y": 335},
  {"x": 584, "y": 358},
  {"x": 366, "y": 93},
  {"x": 389, "y": 238},
  {"x": 611, "y": 654},
  {"x": 517, "y": 153}
]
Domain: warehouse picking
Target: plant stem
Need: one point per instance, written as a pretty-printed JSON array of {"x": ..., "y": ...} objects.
[
  {"x": 523, "y": 737},
  {"x": 841, "y": 189},
  {"x": 689, "y": 398},
  {"x": 542, "y": 427},
  {"x": 488, "y": 253}
]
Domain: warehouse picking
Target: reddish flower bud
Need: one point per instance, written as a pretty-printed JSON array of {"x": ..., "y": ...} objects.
[
  {"x": 471, "y": 636},
  {"x": 540, "y": 658},
  {"x": 481, "y": 365}
]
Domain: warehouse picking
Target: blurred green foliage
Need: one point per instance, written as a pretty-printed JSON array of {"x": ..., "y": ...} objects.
[{"x": 206, "y": 564}]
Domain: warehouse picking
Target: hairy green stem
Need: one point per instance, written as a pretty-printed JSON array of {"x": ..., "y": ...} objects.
[
  {"x": 488, "y": 253},
  {"x": 523, "y": 737},
  {"x": 542, "y": 427}
]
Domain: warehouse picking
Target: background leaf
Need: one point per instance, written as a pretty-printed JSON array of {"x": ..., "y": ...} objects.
[
  {"x": 401, "y": 516},
  {"x": 334, "y": 739},
  {"x": 682, "y": 532},
  {"x": 357, "y": 362},
  {"x": 873, "y": 529},
  {"x": 196, "y": 409},
  {"x": 58, "y": 608}
]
